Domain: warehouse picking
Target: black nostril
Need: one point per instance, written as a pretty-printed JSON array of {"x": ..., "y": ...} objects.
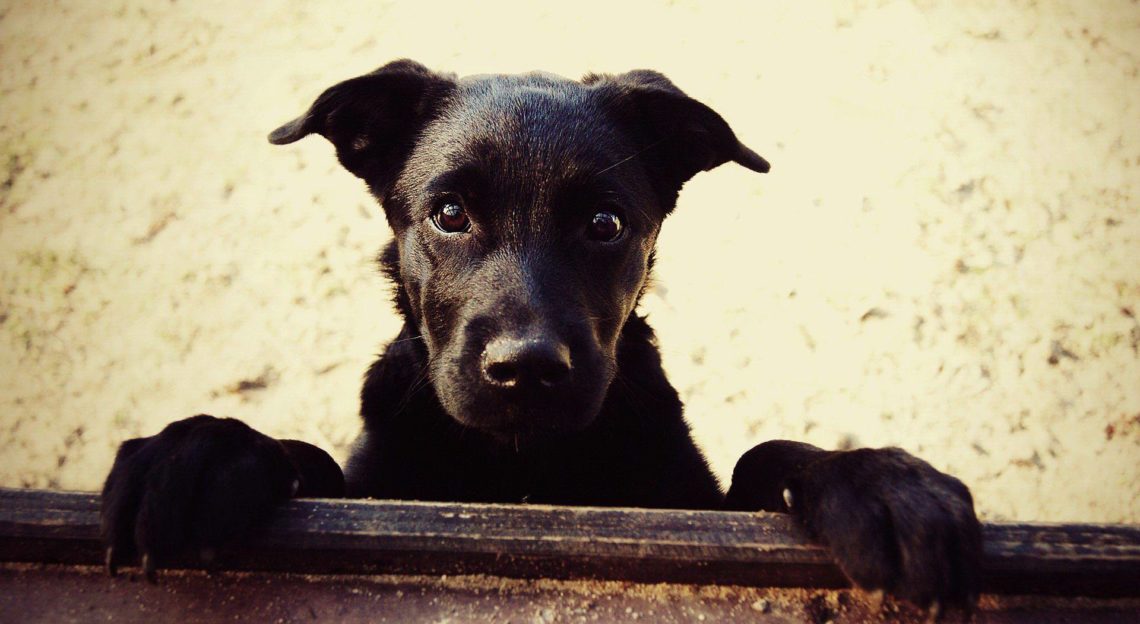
[
  {"x": 552, "y": 372},
  {"x": 508, "y": 362},
  {"x": 502, "y": 373}
]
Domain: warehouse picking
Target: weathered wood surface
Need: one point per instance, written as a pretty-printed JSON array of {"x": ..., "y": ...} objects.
[{"x": 701, "y": 547}]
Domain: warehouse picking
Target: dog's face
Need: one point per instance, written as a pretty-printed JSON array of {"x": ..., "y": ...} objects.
[
  {"x": 522, "y": 250},
  {"x": 525, "y": 211}
]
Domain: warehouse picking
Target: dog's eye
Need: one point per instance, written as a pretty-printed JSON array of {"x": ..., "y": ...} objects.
[
  {"x": 605, "y": 227},
  {"x": 450, "y": 217}
]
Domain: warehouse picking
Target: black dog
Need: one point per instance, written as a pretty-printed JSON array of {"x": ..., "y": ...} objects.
[{"x": 525, "y": 211}]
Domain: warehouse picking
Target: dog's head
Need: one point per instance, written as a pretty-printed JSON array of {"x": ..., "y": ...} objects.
[{"x": 525, "y": 211}]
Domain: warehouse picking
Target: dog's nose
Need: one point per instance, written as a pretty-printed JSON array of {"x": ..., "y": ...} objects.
[{"x": 511, "y": 362}]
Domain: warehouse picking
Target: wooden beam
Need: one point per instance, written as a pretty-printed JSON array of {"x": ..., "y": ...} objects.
[{"x": 532, "y": 541}]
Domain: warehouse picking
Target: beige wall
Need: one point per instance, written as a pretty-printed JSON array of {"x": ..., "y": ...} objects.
[{"x": 955, "y": 198}]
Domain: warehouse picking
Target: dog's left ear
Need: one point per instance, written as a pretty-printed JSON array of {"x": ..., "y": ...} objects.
[
  {"x": 373, "y": 119},
  {"x": 680, "y": 136}
]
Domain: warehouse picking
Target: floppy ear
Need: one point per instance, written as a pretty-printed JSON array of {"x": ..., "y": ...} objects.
[
  {"x": 679, "y": 135},
  {"x": 373, "y": 119}
]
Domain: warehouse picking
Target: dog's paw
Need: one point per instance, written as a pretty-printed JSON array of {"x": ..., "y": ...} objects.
[
  {"x": 894, "y": 523},
  {"x": 199, "y": 484}
]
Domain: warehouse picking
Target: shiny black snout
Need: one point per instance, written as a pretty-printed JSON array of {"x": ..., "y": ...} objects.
[{"x": 533, "y": 363}]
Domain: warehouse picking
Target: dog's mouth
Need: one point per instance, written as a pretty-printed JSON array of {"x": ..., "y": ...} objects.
[
  {"x": 529, "y": 414},
  {"x": 506, "y": 418}
]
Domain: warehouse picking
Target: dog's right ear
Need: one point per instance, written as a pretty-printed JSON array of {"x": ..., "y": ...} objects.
[
  {"x": 373, "y": 119},
  {"x": 679, "y": 135}
]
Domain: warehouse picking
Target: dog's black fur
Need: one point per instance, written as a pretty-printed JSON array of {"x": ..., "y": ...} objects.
[{"x": 525, "y": 211}]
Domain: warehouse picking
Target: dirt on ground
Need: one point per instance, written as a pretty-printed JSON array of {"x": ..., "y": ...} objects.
[{"x": 945, "y": 256}]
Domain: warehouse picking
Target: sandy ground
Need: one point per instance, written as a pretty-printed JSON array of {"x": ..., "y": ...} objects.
[{"x": 945, "y": 257}]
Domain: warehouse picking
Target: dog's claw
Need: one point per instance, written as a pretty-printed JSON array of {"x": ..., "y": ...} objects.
[
  {"x": 933, "y": 614},
  {"x": 109, "y": 562},
  {"x": 148, "y": 568},
  {"x": 876, "y": 599},
  {"x": 788, "y": 498}
]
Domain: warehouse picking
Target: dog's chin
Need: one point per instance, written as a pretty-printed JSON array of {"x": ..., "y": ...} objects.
[
  {"x": 511, "y": 422},
  {"x": 521, "y": 439}
]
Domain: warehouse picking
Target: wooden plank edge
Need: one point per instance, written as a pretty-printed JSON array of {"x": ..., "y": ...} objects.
[{"x": 533, "y": 541}]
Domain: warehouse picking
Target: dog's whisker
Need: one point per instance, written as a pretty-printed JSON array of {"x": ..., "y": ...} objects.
[
  {"x": 630, "y": 157},
  {"x": 408, "y": 339},
  {"x": 418, "y": 383}
]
